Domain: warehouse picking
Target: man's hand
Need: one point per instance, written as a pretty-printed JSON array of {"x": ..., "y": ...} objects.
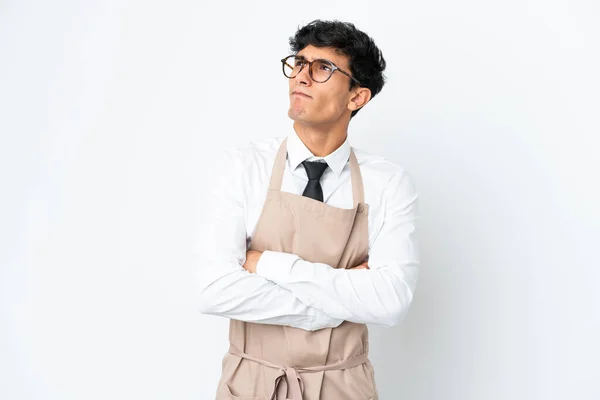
[
  {"x": 252, "y": 257},
  {"x": 361, "y": 266}
]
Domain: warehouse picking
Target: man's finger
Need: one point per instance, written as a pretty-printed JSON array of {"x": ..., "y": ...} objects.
[{"x": 362, "y": 266}]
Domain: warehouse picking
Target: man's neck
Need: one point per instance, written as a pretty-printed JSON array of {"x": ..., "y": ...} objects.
[{"x": 321, "y": 141}]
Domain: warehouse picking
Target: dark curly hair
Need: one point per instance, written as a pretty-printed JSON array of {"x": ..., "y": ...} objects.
[{"x": 366, "y": 60}]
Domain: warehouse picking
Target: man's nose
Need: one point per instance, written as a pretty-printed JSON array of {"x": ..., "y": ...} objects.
[{"x": 303, "y": 76}]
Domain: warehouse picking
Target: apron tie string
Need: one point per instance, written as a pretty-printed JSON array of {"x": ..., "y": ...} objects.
[{"x": 290, "y": 376}]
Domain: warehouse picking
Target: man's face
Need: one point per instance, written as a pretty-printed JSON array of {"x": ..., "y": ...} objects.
[{"x": 314, "y": 103}]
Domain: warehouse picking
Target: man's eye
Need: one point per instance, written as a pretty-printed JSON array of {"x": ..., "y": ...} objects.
[{"x": 325, "y": 67}]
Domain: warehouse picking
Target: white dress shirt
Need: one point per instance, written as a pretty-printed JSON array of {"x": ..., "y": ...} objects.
[{"x": 286, "y": 290}]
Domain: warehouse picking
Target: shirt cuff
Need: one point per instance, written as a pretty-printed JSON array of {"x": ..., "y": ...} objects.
[{"x": 275, "y": 265}]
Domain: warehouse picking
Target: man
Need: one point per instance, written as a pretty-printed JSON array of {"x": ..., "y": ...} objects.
[{"x": 309, "y": 238}]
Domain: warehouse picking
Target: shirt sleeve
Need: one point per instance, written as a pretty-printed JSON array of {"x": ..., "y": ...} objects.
[
  {"x": 224, "y": 287},
  {"x": 380, "y": 295}
]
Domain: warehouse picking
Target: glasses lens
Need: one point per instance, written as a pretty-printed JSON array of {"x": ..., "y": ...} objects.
[
  {"x": 321, "y": 70},
  {"x": 291, "y": 66}
]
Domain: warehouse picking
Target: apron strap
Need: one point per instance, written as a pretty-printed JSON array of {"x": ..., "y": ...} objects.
[
  {"x": 358, "y": 191},
  {"x": 278, "y": 167}
]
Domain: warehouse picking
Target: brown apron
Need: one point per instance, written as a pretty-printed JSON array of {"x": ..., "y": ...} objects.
[{"x": 267, "y": 362}]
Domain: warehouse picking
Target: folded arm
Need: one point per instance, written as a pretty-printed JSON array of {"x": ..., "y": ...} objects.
[{"x": 380, "y": 295}]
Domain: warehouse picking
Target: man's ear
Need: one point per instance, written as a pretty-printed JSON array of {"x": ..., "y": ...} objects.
[{"x": 360, "y": 97}]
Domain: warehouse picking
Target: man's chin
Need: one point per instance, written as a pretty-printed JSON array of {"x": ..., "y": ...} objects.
[{"x": 297, "y": 115}]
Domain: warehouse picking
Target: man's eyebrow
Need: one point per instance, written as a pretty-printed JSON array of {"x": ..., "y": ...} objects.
[{"x": 314, "y": 58}]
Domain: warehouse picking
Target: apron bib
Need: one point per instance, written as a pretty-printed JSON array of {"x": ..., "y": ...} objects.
[{"x": 274, "y": 362}]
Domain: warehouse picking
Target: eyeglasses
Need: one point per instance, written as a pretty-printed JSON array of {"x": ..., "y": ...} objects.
[{"x": 319, "y": 70}]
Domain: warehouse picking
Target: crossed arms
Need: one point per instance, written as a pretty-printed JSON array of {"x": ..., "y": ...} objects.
[{"x": 281, "y": 288}]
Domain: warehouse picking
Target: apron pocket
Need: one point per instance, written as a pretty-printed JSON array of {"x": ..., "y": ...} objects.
[{"x": 230, "y": 396}]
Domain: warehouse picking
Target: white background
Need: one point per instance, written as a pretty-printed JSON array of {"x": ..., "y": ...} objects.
[{"x": 110, "y": 112}]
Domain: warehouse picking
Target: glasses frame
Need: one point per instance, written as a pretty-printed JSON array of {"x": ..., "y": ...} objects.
[{"x": 310, "y": 63}]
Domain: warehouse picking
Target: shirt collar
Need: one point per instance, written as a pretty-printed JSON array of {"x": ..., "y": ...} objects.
[{"x": 298, "y": 152}]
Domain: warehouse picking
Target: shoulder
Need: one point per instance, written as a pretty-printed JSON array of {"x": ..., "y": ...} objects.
[
  {"x": 395, "y": 181},
  {"x": 379, "y": 167},
  {"x": 252, "y": 152},
  {"x": 377, "y": 163},
  {"x": 249, "y": 154}
]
